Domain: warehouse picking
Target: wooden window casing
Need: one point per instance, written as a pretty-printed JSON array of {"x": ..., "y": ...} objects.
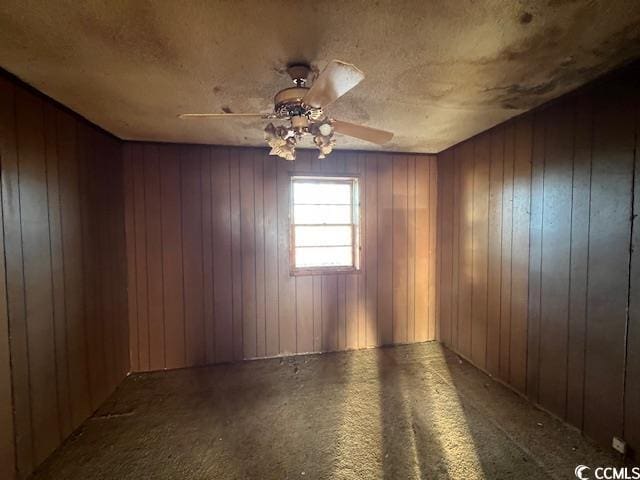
[{"x": 354, "y": 183}]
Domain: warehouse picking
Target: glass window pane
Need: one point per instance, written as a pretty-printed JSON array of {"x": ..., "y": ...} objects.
[
  {"x": 324, "y": 257},
  {"x": 322, "y": 236},
  {"x": 322, "y": 214},
  {"x": 321, "y": 192}
]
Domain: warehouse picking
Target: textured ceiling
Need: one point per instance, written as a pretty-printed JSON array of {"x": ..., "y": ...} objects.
[{"x": 437, "y": 71}]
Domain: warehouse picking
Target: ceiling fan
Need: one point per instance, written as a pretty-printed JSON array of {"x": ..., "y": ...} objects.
[{"x": 301, "y": 108}]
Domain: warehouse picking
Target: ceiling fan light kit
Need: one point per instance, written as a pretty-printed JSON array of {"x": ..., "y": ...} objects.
[{"x": 301, "y": 108}]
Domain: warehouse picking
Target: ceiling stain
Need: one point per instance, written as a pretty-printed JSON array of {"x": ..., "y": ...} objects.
[
  {"x": 525, "y": 18},
  {"x": 437, "y": 72},
  {"x": 520, "y": 97}
]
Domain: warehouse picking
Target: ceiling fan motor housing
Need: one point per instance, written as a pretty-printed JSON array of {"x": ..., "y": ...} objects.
[{"x": 288, "y": 102}]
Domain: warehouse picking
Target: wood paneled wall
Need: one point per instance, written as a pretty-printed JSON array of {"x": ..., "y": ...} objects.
[
  {"x": 536, "y": 277},
  {"x": 535, "y": 273},
  {"x": 208, "y": 250},
  {"x": 63, "y": 299}
]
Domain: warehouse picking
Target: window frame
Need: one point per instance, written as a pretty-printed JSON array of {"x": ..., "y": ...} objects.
[{"x": 356, "y": 216}]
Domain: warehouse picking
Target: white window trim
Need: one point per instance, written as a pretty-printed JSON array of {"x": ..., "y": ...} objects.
[{"x": 354, "y": 179}]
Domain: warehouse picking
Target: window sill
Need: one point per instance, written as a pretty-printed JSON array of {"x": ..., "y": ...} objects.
[{"x": 300, "y": 272}]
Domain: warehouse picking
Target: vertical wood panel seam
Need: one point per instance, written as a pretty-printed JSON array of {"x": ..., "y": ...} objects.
[
  {"x": 413, "y": 284},
  {"x": 426, "y": 218},
  {"x": 8, "y": 344},
  {"x": 393, "y": 310},
  {"x": 416, "y": 264},
  {"x": 359, "y": 253},
  {"x": 431, "y": 248},
  {"x": 513, "y": 177},
  {"x": 164, "y": 313},
  {"x": 586, "y": 295},
  {"x": 64, "y": 271},
  {"x": 295, "y": 280},
  {"x": 452, "y": 179},
  {"x": 415, "y": 244},
  {"x": 203, "y": 313},
  {"x": 123, "y": 264},
  {"x": 363, "y": 246},
  {"x": 6, "y": 280},
  {"x": 321, "y": 280},
  {"x": 629, "y": 277},
  {"x": 24, "y": 289},
  {"x": 407, "y": 248},
  {"x": 255, "y": 256},
  {"x": 264, "y": 260},
  {"x": 440, "y": 292},
  {"x": 362, "y": 295},
  {"x": 436, "y": 261},
  {"x": 378, "y": 330},
  {"x": 82, "y": 262},
  {"x": 135, "y": 253},
  {"x": 233, "y": 248},
  {"x": 526, "y": 346},
  {"x": 53, "y": 310},
  {"x": 357, "y": 256},
  {"x": 99, "y": 309},
  {"x": 184, "y": 307},
  {"x": 393, "y": 277},
  {"x": 569, "y": 323},
  {"x": 486, "y": 333},
  {"x": 460, "y": 216},
  {"x": 337, "y": 299},
  {"x": 474, "y": 144},
  {"x": 364, "y": 209},
  {"x": 213, "y": 254},
  {"x": 504, "y": 143},
  {"x": 146, "y": 250},
  {"x": 98, "y": 306},
  {"x": 544, "y": 168},
  {"x": 278, "y": 253}
]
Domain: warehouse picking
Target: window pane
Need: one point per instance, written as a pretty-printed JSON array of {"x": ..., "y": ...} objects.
[
  {"x": 322, "y": 236},
  {"x": 323, "y": 192},
  {"x": 324, "y": 257},
  {"x": 322, "y": 214}
]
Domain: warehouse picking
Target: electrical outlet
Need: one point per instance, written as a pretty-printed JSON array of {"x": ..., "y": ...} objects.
[{"x": 619, "y": 445}]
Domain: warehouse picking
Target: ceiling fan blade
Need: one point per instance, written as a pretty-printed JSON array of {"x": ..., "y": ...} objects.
[
  {"x": 369, "y": 134},
  {"x": 334, "y": 81},
  {"x": 222, "y": 115}
]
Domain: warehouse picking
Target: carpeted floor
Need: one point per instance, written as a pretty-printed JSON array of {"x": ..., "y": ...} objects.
[{"x": 405, "y": 412}]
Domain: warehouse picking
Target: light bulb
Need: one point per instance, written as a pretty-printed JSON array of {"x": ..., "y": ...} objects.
[{"x": 325, "y": 129}]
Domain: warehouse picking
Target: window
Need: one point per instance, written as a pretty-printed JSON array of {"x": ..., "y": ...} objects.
[{"x": 325, "y": 224}]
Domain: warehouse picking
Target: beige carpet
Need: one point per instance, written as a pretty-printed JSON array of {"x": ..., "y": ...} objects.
[{"x": 396, "y": 413}]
